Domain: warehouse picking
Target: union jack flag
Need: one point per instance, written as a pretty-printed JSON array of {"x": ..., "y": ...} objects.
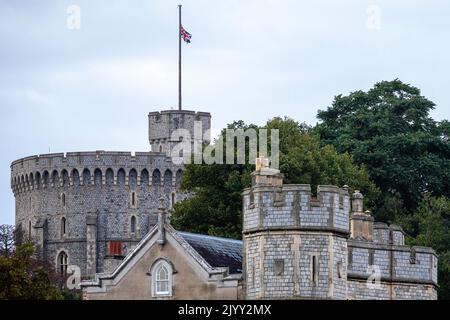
[{"x": 185, "y": 35}]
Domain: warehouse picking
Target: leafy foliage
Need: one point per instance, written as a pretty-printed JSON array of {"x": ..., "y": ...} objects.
[
  {"x": 389, "y": 130},
  {"x": 431, "y": 224},
  {"x": 216, "y": 206},
  {"x": 21, "y": 277}
]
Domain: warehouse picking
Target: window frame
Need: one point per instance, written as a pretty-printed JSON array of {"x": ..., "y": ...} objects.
[
  {"x": 154, "y": 279},
  {"x": 60, "y": 266}
]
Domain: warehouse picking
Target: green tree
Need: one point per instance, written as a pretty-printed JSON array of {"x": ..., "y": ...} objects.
[
  {"x": 23, "y": 278},
  {"x": 431, "y": 225},
  {"x": 216, "y": 205},
  {"x": 389, "y": 130}
]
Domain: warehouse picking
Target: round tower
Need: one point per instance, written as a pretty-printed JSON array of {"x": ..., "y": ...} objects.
[{"x": 83, "y": 208}]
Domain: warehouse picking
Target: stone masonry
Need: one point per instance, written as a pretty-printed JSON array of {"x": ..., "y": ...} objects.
[
  {"x": 296, "y": 246},
  {"x": 82, "y": 203}
]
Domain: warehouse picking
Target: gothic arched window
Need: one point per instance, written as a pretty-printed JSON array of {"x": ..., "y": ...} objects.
[{"x": 162, "y": 279}]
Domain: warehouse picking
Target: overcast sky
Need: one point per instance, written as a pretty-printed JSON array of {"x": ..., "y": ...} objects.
[{"x": 91, "y": 88}]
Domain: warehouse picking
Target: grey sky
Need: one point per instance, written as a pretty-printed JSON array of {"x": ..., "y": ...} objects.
[{"x": 91, "y": 89}]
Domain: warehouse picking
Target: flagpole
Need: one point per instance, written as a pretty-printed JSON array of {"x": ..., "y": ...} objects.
[{"x": 179, "y": 57}]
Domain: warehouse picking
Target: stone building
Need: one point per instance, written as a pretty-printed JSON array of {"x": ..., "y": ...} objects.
[
  {"x": 295, "y": 246},
  {"x": 325, "y": 247},
  {"x": 168, "y": 264},
  {"x": 89, "y": 209}
]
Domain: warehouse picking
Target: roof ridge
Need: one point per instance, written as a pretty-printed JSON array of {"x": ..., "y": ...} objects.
[{"x": 206, "y": 235}]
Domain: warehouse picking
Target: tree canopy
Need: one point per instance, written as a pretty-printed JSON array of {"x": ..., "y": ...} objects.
[
  {"x": 431, "y": 226},
  {"x": 23, "y": 278},
  {"x": 389, "y": 130},
  {"x": 216, "y": 205}
]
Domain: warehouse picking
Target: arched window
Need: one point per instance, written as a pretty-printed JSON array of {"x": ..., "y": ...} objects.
[
  {"x": 65, "y": 178},
  {"x": 75, "y": 177},
  {"x": 156, "y": 179},
  {"x": 144, "y": 178},
  {"x": 162, "y": 279},
  {"x": 109, "y": 176},
  {"x": 45, "y": 178},
  {"x": 86, "y": 177},
  {"x": 132, "y": 178},
  {"x": 167, "y": 181},
  {"x": 160, "y": 148},
  {"x": 38, "y": 180},
  {"x": 133, "y": 224},
  {"x": 121, "y": 177},
  {"x": 98, "y": 176},
  {"x": 62, "y": 263},
  {"x": 55, "y": 178},
  {"x": 63, "y": 227}
]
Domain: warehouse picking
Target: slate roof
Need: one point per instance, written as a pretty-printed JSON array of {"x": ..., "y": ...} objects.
[{"x": 218, "y": 252}]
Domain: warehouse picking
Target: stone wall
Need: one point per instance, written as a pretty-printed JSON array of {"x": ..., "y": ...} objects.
[
  {"x": 359, "y": 290},
  {"x": 297, "y": 246}
]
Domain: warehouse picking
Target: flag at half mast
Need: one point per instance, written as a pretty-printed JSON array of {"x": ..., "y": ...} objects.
[{"x": 185, "y": 35}]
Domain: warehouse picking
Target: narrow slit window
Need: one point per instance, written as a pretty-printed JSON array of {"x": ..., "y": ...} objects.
[
  {"x": 133, "y": 199},
  {"x": 314, "y": 270},
  {"x": 133, "y": 224},
  {"x": 63, "y": 226},
  {"x": 63, "y": 200},
  {"x": 371, "y": 258}
]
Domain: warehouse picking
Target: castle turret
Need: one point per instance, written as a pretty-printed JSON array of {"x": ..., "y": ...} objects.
[
  {"x": 294, "y": 244},
  {"x": 164, "y": 129}
]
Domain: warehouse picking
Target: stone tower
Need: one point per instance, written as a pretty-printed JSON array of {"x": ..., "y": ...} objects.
[
  {"x": 163, "y": 125},
  {"x": 294, "y": 244}
]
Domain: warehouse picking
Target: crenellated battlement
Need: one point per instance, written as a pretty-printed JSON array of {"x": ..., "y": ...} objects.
[
  {"x": 301, "y": 246},
  {"x": 391, "y": 262},
  {"x": 294, "y": 206},
  {"x": 86, "y": 168}
]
